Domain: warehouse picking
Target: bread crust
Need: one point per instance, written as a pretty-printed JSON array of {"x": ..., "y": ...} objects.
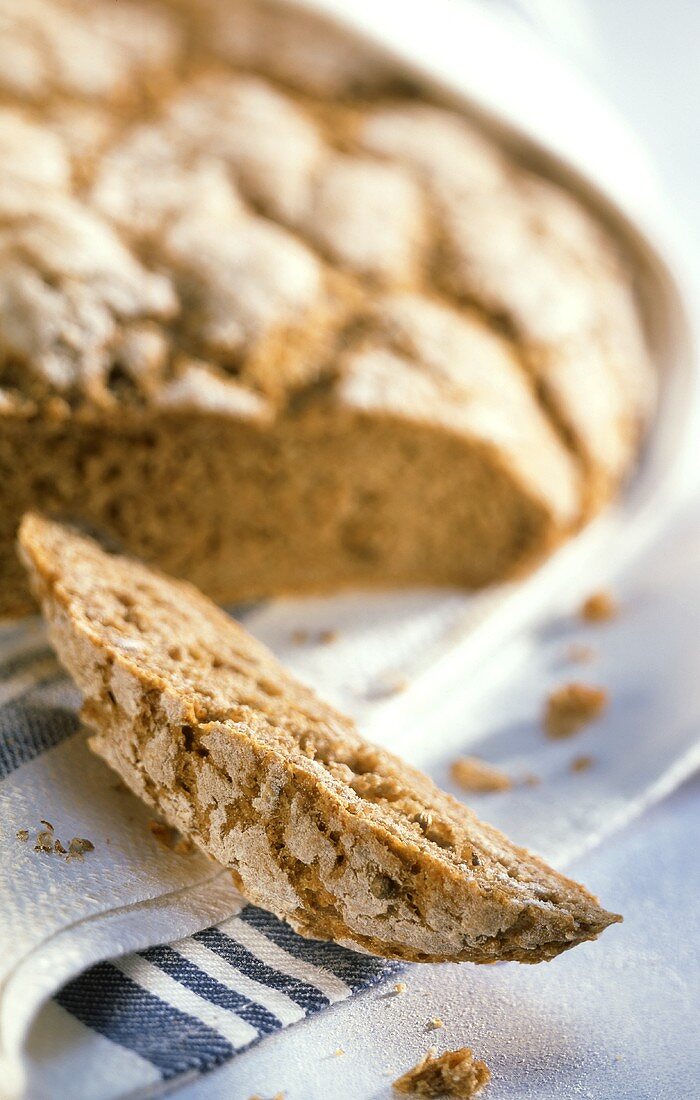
[{"x": 338, "y": 837}]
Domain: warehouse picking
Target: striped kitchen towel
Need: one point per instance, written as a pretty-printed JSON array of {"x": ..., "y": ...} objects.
[
  {"x": 232, "y": 973},
  {"x": 191, "y": 1005}
]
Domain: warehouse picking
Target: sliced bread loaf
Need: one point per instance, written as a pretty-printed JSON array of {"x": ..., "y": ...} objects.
[
  {"x": 277, "y": 319},
  {"x": 339, "y": 837}
]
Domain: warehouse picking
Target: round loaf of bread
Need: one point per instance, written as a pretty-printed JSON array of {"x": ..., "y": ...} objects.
[{"x": 275, "y": 319}]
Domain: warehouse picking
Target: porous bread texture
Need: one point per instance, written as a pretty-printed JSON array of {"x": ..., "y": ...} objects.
[
  {"x": 275, "y": 321},
  {"x": 455, "y": 1073},
  {"x": 336, "y": 836}
]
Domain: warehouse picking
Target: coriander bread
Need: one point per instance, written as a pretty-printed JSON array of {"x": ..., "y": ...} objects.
[
  {"x": 338, "y": 837},
  {"x": 276, "y": 321}
]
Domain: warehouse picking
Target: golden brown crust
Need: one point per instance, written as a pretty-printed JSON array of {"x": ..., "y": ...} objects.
[{"x": 338, "y": 837}]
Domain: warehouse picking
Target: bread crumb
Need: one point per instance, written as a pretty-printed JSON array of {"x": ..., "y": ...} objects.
[
  {"x": 581, "y": 763},
  {"x": 571, "y": 707},
  {"x": 455, "y": 1073},
  {"x": 170, "y": 838},
  {"x": 599, "y": 607},
  {"x": 338, "y": 1053},
  {"x": 48, "y": 843},
  {"x": 320, "y": 637},
  {"x": 434, "y": 1023},
  {"x": 160, "y": 831},
  {"x": 44, "y": 841},
  {"x": 78, "y": 847},
  {"x": 387, "y": 686},
  {"x": 472, "y": 774},
  {"x": 400, "y": 987},
  {"x": 580, "y": 654}
]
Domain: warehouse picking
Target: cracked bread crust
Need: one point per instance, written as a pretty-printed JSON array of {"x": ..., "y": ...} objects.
[
  {"x": 337, "y": 836},
  {"x": 229, "y": 213}
]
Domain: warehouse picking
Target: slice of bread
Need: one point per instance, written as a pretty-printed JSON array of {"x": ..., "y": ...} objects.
[{"x": 338, "y": 837}]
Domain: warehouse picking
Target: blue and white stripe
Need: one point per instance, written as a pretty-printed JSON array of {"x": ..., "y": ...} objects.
[
  {"x": 189, "y": 1006},
  {"x": 194, "y": 1004}
]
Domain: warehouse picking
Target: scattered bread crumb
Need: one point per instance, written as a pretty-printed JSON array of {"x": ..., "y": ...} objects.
[
  {"x": 338, "y": 1053},
  {"x": 580, "y": 654},
  {"x": 320, "y": 637},
  {"x": 472, "y": 774},
  {"x": 599, "y": 607},
  {"x": 581, "y": 763},
  {"x": 78, "y": 847},
  {"x": 161, "y": 832},
  {"x": 434, "y": 1023},
  {"x": 170, "y": 838},
  {"x": 455, "y": 1073},
  {"x": 400, "y": 987},
  {"x": 48, "y": 842},
  {"x": 387, "y": 686},
  {"x": 44, "y": 841},
  {"x": 571, "y": 707}
]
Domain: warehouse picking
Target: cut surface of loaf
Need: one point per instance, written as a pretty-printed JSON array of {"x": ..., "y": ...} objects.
[
  {"x": 277, "y": 321},
  {"x": 338, "y": 837}
]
